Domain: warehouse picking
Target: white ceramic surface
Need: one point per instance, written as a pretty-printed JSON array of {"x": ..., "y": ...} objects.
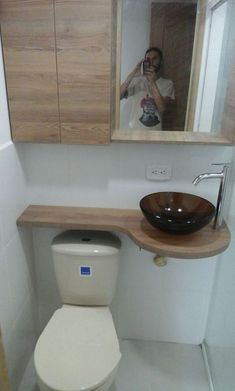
[
  {"x": 78, "y": 349},
  {"x": 99, "y": 254}
]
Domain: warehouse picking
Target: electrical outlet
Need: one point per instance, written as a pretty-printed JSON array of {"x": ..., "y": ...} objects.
[{"x": 158, "y": 172}]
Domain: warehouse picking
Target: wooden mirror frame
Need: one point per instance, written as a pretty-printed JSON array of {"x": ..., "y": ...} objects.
[{"x": 225, "y": 137}]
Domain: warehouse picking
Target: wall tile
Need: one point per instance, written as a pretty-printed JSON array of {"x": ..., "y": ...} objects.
[
  {"x": 19, "y": 344},
  {"x": 46, "y": 167},
  {"x": 18, "y": 274},
  {"x": 47, "y": 292},
  {"x": 13, "y": 191},
  {"x": 91, "y": 178},
  {"x": 183, "y": 317},
  {"x": 6, "y": 314},
  {"x": 17, "y": 294}
]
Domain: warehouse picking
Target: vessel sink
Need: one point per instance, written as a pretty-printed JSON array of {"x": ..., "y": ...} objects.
[{"x": 177, "y": 213}]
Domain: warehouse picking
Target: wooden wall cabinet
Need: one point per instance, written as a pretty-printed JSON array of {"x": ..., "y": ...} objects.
[
  {"x": 57, "y": 56},
  {"x": 62, "y": 65},
  {"x": 28, "y": 39}
]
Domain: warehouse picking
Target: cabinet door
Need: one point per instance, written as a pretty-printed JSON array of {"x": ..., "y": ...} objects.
[
  {"x": 28, "y": 37},
  {"x": 83, "y": 39}
]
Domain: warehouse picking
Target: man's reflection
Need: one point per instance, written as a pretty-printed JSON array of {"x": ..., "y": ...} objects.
[{"x": 151, "y": 94}]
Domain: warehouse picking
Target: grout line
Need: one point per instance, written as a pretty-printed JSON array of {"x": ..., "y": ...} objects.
[
  {"x": 57, "y": 71},
  {"x": 207, "y": 365}
]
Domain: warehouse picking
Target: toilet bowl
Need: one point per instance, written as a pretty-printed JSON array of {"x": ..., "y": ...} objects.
[{"x": 78, "y": 350}]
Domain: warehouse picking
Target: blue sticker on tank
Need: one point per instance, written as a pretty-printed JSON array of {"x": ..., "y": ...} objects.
[{"x": 85, "y": 271}]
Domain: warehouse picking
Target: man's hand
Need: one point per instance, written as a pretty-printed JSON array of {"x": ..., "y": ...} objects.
[{"x": 137, "y": 70}]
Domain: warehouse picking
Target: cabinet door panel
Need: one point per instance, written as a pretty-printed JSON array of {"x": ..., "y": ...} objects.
[
  {"x": 83, "y": 37},
  {"x": 28, "y": 37}
]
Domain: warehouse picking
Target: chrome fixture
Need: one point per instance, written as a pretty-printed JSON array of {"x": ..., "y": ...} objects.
[{"x": 223, "y": 176}]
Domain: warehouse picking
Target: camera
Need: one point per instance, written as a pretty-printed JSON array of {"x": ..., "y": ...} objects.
[{"x": 146, "y": 65}]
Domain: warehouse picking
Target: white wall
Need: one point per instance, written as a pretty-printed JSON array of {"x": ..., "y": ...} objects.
[
  {"x": 220, "y": 334},
  {"x": 17, "y": 296},
  {"x": 215, "y": 25},
  {"x": 151, "y": 303}
]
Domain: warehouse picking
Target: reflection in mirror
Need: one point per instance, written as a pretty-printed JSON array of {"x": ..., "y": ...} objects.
[
  {"x": 216, "y": 59},
  {"x": 156, "y": 55}
]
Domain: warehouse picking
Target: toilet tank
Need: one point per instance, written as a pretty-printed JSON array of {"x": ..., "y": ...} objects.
[{"x": 86, "y": 266}]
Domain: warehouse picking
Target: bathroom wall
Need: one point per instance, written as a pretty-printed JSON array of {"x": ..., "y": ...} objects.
[
  {"x": 168, "y": 303},
  {"x": 17, "y": 295},
  {"x": 150, "y": 303},
  {"x": 220, "y": 334}
]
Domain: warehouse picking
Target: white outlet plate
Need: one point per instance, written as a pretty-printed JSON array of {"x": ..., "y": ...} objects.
[{"x": 159, "y": 172}]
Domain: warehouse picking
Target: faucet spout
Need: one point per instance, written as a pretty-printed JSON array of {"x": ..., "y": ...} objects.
[
  {"x": 201, "y": 177},
  {"x": 223, "y": 176}
]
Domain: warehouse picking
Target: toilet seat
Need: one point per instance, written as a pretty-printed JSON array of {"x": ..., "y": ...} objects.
[{"x": 78, "y": 349}]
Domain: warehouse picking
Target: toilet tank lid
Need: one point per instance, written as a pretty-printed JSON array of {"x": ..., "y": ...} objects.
[{"x": 86, "y": 243}]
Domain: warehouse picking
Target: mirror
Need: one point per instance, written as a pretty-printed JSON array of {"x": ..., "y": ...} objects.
[
  {"x": 155, "y": 82},
  {"x": 167, "y": 49}
]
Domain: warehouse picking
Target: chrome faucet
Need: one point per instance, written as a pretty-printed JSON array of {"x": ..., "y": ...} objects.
[{"x": 223, "y": 176}]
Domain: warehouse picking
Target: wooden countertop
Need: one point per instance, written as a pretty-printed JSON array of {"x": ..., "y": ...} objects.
[{"x": 201, "y": 244}]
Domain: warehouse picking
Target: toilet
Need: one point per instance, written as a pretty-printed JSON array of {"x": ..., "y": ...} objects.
[{"x": 79, "y": 350}]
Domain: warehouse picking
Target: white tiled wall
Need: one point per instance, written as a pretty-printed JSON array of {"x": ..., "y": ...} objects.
[
  {"x": 17, "y": 294},
  {"x": 115, "y": 175},
  {"x": 220, "y": 333},
  {"x": 169, "y": 304}
]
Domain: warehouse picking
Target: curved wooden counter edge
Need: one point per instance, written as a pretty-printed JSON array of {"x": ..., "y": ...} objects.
[{"x": 201, "y": 244}]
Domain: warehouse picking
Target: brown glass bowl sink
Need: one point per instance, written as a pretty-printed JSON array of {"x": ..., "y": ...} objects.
[{"x": 178, "y": 213}]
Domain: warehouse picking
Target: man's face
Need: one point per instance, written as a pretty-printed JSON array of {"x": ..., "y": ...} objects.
[{"x": 153, "y": 58}]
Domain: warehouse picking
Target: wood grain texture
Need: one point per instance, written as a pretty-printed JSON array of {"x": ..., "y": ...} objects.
[
  {"x": 83, "y": 38},
  {"x": 172, "y": 30},
  {"x": 168, "y": 137},
  {"x": 4, "y": 382},
  {"x": 204, "y": 243},
  {"x": 28, "y": 37},
  {"x": 116, "y": 64},
  {"x": 196, "y": 65}
]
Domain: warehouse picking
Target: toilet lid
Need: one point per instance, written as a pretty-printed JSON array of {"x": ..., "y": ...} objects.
[{"x": 78, "y": 349}]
